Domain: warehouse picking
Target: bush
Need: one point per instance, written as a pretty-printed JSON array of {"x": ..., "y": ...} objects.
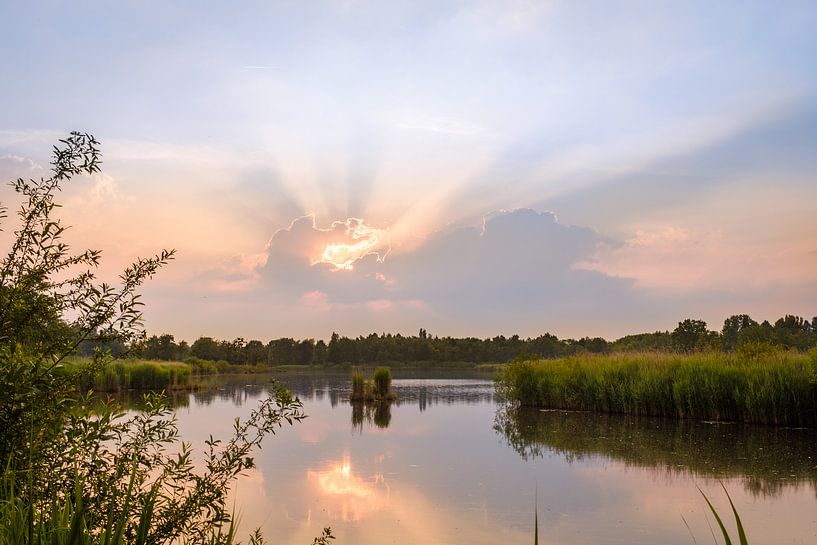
[{"x": 73, "y": 470}]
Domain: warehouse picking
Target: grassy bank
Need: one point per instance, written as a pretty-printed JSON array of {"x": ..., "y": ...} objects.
[
  {"x": 134, "y": 375},
  {"x": 773, "y": 388},
  {"x": 138, "y": 374}
]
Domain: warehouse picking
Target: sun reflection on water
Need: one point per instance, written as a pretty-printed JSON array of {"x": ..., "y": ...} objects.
[{"x": 347, "y": 495}]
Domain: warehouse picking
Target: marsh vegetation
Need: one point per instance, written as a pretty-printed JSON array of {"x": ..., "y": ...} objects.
[
  {"x": 764, "y": 387},
  {"x": 377, "y": 389}
]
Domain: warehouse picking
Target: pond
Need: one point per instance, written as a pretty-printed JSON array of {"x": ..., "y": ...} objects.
[{"x": 447, "y": 463}]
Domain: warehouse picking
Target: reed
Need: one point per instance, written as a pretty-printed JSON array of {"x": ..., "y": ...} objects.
[
  {"x": 376, "y": 389},
  {"x": 68, "y": 520},
  {"x": 777, "y": 388},
  {"x": 134, "y": 375},
  {"x": 742, "y": 539},
  {"x": 358, "y": 386},
  {"x": 382, "y": 383}
]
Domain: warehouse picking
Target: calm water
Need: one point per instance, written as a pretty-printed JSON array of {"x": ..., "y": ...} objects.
[{"x": 446, "y": 464}]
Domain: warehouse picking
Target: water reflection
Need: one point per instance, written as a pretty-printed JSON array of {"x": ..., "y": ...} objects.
[
  {"x": 765, "y": 459},
  {"x": 431, "y": 469},
  {"x": 378, "y": 413},
  {"x": 347, "y": 495},
  {"x": 336, "y": 386}
]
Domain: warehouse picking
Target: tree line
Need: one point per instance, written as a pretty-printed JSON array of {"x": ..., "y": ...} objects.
[{"x": 738, "y": 331}]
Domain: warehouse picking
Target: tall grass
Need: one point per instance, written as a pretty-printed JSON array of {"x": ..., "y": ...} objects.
[
  {"x": 358, "y": 385},
  {"x": 135, "y": 375},
  {"x": 773, "y": 388},
  {"x": 726, "y": 537},
  {"x": 382, "y": 382},
  {"x": 376, "y": 389},
  {"x": 68, "y": 520}
]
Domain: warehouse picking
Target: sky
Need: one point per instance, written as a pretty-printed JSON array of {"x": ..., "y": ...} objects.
[{"x": 472, "y": 168}]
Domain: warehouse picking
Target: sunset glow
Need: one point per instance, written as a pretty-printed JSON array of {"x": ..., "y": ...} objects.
[
  {"x": 365, "y": 240},
  {"x": 347, "y": 494},
  {"x": 433, "y": 154}
]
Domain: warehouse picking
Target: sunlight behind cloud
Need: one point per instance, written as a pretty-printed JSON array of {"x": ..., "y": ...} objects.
[{"x": 362, "y": 240}]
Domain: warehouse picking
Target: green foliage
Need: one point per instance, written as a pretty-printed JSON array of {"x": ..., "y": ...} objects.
[
  {"x": 377, "y": 389},
  {"x": 75, "y": 471},
  {"x": 732, "y": 328},
  {"x": 691, "y": 335},
  {"x": 659, "y": 341},
  {"x": 382, "y": 382},
  {"x": 132, "y": 375},
  {"x": 134, "y": 474},
  {"x": 777, "y": 388},
  {"x": 755, "y": 350},
  {"x": 39, "y": 288},
  {"x": 726, "y": 538},
  {"x": 428, "y": 350},
  {"x": 358, "y": 380}
]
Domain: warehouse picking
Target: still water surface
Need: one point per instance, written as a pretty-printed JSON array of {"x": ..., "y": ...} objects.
[{"x": 447, "y": 463}]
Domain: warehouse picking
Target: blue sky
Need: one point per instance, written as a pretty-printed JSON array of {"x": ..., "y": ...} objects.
[{"x": 681, "y": 137}]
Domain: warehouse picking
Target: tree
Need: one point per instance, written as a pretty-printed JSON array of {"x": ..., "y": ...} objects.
[
  {"x": 732, "y": 327},
  {"x": 333, "y": 351},
  {"x": 39, "y": 287},
  {"x": 71, "y": 471},
  {"x": 793, "y": 332},
  {"x": 305, "y": 351},
  {"x": 255, "y": 353},
  {"x": 206, "y": 348},
  {"x": 690, "y": 335},
  {"x": 319, "y": 356},
  {"x": 282, "y": 352}
]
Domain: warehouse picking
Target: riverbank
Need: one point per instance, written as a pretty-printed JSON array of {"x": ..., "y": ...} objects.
[
  {"x": 778, "y": 388},
  {"x": 197, "y": 374},
  {"x": 131, "y": 374},
  {"x": 138, "y": 374}
]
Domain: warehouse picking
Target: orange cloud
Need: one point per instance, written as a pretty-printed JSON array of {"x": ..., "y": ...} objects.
[
  {"x": 316, "y": 300},
  {"x": 686, "y": 260}
]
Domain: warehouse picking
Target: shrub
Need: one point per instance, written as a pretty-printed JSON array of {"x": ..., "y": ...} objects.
[{"x": 71, "y": 467}]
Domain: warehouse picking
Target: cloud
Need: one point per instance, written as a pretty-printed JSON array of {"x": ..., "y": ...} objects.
[
  {"x": 677, "y": 259},
  {"x": 12, "y": 165},
  {"x": 517, "y": 264},
  {"x": 517, "y": 260},
  {"x": 439, "y": 124},
  {"x": 518, "y": 271}
]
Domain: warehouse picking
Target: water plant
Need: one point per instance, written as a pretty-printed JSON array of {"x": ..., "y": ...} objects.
[
  {"x": 774, "y": 388},
  {"x": 358, "y": 386},
  {"x": 129, "y": 374},
  {"x": 726, "y": 537},
  {"x": 377, "y": 389},
  {"x": 382, "y": 382}
]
